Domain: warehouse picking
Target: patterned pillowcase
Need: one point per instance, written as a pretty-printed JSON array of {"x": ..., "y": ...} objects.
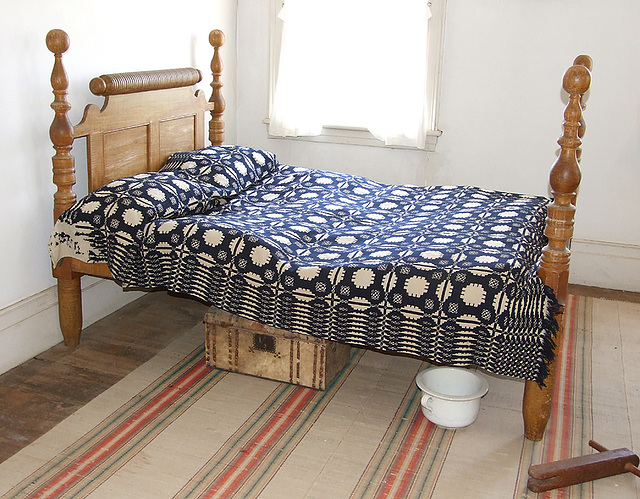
[{"x": 230, "y": 168}]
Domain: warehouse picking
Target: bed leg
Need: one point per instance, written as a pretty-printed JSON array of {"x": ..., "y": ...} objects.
[
  {"x": 538, "y": 401},
  {"x": 70, "y": 309},
  {"x": 536, "y": 408}
]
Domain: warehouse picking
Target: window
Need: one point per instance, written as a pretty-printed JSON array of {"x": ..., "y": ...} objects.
[{"x": 357, "y": 71}]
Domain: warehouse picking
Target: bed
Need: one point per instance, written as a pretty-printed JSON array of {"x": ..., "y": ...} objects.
[{"x": 458, "y": 275}]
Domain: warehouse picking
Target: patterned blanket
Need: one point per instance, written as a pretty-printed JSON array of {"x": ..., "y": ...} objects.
[{"x": 445, "y": 273}]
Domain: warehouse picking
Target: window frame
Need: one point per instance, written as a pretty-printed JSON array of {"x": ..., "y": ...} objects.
[{"x": 358, "y": 135}]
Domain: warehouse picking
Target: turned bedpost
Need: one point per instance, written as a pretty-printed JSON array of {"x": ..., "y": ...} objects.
[
  {"x": 554, "y": 267},
  {"x": 61, "y": 130},
  {"x": 216, "y": 125},
  {"x": 64, "y": 177},
  {"x": 564, "y": 179}
]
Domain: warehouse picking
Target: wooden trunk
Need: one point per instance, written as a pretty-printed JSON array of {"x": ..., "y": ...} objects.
[{"x": 250, "y": 347}]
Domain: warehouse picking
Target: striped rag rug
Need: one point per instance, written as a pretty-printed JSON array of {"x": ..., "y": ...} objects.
[{"x": 264, "y": 440}]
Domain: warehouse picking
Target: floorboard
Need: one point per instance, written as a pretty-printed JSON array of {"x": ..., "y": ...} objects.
[{"x": 43, "y": 391}]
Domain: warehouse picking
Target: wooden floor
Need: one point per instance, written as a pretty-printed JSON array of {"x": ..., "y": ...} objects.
[{"x": 43, "y": 391}]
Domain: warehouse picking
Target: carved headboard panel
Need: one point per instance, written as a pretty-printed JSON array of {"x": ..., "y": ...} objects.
[{"x": 146, "y": 116}]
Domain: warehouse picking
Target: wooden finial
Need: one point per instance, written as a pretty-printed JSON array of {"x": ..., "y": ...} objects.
[
  {"x": 587, "y": 62},
  {"x": 216, "y": 125},
  {"x": 61, "y": 130},
  {"x": 583, "y": 60}
]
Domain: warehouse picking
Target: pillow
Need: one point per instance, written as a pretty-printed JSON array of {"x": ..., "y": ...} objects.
[{"x": 232, "y": 168}]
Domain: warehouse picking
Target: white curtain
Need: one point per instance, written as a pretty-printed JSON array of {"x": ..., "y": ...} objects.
[{"x": 353, "y": 63}]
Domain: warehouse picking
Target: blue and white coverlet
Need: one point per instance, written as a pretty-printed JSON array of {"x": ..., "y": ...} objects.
[{"x": 444, "y": 273}]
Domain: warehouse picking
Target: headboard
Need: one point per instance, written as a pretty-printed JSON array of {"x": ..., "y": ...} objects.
[{"x": 145, "y": 117}]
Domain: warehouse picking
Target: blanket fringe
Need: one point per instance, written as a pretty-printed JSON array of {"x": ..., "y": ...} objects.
[{"x": 551, "y": 327}]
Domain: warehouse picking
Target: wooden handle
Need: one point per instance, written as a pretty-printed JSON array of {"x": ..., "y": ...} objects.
[
  {"x": 595, "y": 445},
  {"x": 632, "y": 469}
]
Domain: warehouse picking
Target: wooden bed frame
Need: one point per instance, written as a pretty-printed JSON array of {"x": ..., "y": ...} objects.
[{"x": 148, "y": 115}]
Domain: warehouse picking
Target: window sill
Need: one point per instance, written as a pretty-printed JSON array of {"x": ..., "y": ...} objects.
[{"x": 359, "y": 137}]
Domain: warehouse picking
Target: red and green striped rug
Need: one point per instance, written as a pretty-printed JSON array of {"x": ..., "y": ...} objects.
[{"x": 196, "y": 432}]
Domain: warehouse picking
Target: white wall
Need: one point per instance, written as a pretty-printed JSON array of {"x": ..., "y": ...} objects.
[
  {"x": 501, "y": 113},
  {"x": 105, "y": 38}
]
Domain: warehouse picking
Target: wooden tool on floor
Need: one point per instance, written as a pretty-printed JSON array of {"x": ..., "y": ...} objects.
[{"x": 556, "y": 474}]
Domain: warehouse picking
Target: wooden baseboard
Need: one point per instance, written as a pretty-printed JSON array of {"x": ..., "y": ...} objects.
[
  {"x": 31, "y": 325},
  {"x": 605, "y": 265}
]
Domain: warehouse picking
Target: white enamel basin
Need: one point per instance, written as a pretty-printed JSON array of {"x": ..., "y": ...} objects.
[{"x": 451, "y": 395}]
